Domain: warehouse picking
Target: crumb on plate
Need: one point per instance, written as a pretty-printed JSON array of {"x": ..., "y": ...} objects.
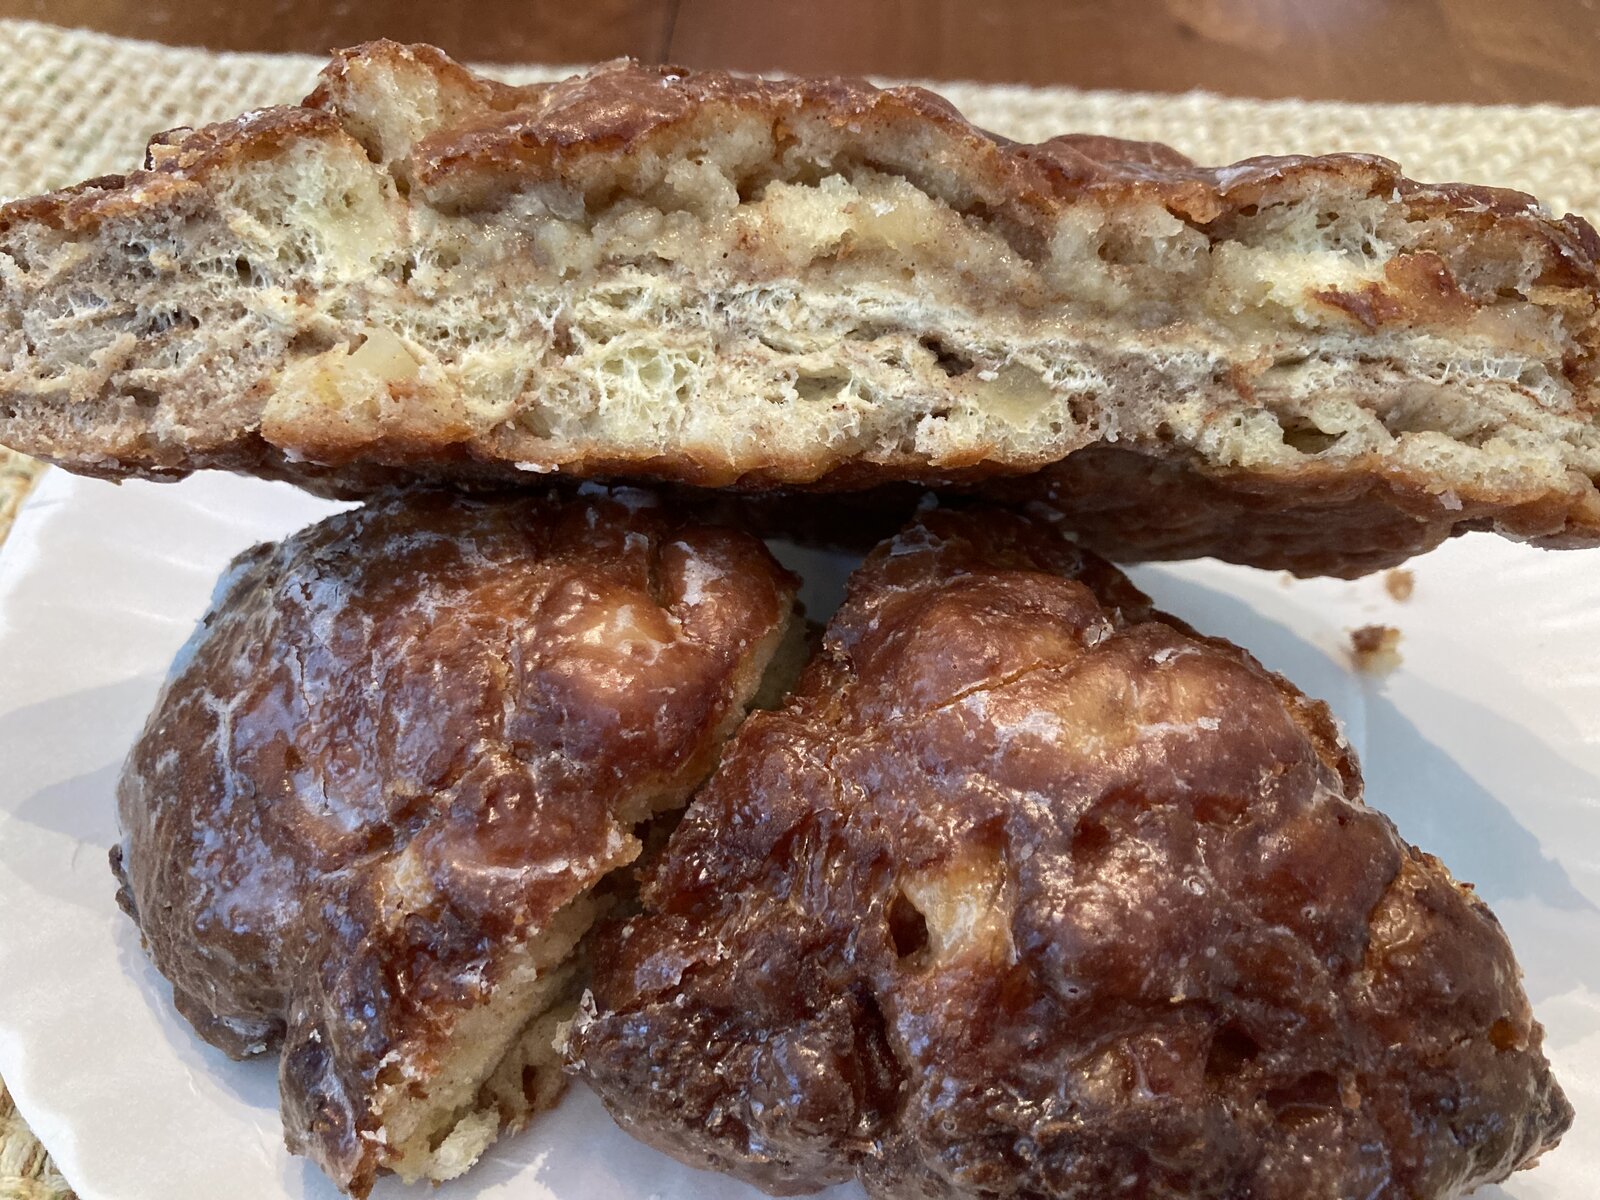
[
  {"x": 1375, "y": 648},
  {"x": 1400, "y": 583}
]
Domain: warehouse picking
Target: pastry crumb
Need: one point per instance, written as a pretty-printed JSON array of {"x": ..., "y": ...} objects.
[
  {"x": 1375, "y": 649},
  {"x": 1400, "y": 583}
]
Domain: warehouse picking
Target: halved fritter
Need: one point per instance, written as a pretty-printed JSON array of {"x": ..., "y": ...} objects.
[{"x": 689, "y": 275}]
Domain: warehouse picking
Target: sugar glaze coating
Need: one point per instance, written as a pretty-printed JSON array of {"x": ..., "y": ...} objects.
[
  {"x": 406, "y": 744},
  {"x": 1030, "y": 891}
]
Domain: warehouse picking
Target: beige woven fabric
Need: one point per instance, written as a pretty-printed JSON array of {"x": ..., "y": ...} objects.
[
  {"x": 18, "y": 473},
  {"x": 75, "y": 104},
  {"x": 26, "y": 1172}
]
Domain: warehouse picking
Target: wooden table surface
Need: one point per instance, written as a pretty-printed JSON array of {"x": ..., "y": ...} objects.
[{"x": 1480, "y": 51}]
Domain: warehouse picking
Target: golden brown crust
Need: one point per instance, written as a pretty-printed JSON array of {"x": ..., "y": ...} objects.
[
  {"x": 402, "y": 741},
  {"x": 177, "y": 162},
  {"x": 624, "y": 109},
  {"x": 1126, "y": 505},
  {"x": 1317, "y": 520},
  {"x": 1031, "y": 892}
]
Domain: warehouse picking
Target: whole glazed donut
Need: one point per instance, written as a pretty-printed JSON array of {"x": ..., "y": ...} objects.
[
  {"x": 380, "y": 800},
  {"x": 1030, "y": 891}
]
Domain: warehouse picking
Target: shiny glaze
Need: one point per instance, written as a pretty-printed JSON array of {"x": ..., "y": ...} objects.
[
  {"x": 400, "y": 742},
  {"x": 1030, "y": 891}
]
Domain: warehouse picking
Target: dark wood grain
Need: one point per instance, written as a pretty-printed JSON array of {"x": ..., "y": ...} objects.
[
  {"x": 1484, "y": 51},
  {"x": 1360, "y": 50},
  {"x": 547, "y": 31}
]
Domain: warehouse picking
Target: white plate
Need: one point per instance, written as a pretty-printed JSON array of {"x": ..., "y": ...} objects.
[{"x": 1484, "y": 747}]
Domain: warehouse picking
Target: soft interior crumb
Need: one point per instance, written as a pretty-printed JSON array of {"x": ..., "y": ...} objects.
[
  {"x": 1375, "y": 648},
  {"x": 1400, "y": 583}
]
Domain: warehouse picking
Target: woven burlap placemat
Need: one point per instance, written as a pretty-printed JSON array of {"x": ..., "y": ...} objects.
[{"x": 75, "y": 104}]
